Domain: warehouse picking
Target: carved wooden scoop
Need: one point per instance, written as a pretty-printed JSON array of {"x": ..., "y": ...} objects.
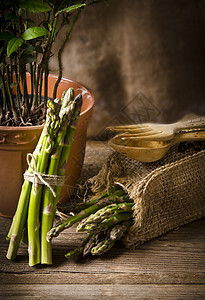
[{"x": 147, "y": 150}]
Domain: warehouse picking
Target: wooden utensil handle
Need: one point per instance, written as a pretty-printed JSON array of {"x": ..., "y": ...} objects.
[
  {"x": 198, "y": 122},
  {"x": 190, "y": 136}
]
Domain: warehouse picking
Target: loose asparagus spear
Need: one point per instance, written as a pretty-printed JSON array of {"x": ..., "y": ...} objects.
[
  {"x": 102, "y": 247},
  {"x": 98, "y": 243},
  {"x": 93, "y": 241},
  {"x": 55, "y": 231},
  {"x": 78, "y": 252},
  {"x": 118, "y": 230},
  {"x": 113, "y": 235},
  {"x": 105, "y": 213},
  {"x": 49, "y": 203},
  {"x": 106, "y": 223},
  {"x": 115, "y": 191}
]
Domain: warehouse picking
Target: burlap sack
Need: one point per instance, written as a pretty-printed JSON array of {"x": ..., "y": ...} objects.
[{"x": 167, "y": 194}]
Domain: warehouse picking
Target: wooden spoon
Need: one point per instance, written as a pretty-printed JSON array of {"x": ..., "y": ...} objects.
[{"x": 150, "y": 150}]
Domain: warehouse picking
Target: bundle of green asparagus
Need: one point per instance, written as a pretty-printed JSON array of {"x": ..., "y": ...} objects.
[
  {"x": 40, "y": 193},
  {"x": 105, "y": 219}
]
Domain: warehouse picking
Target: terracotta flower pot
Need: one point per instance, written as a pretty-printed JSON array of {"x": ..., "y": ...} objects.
[{"x": 16, "y": 142}]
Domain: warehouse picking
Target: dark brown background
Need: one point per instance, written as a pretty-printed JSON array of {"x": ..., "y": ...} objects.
[{"x": 144, "y": 60}]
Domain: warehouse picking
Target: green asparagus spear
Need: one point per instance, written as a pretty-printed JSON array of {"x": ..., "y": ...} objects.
[
  {"x": 113, "y": 235},
  {"x": 78, "y": 252},
  {"x": 93, "y": 241},
  {"x": 105, "y": 213},
  {"x": 55, "y": 231},
  {"x": 70, "y": 112},
  {"x": 33, "y": 220},
  {"x": 19, "y": 220},
  {"x": 115, "y": 191},
  {"x": 106, "y": 223},
  {"x": 102, "y": 247},
  {"x": 118, "y": 230}
]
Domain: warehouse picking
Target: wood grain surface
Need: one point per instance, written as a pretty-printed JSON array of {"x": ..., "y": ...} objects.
[{"x": 169, "y": 267}]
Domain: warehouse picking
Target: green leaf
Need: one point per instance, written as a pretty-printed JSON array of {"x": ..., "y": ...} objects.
[
  {"x": 70, "y": 8},
  {"x": 45, "y": 25},
  {"x": 34, "y": 32},
  {"x": 13, "y": 45},
  {"x": 39, "y": 49},
  {"x": 28, "y": 58},
  {"x": 29, "y": 49},
  {"x": 10, "y": 17},
  {"x": 35, "y": 6},
  {"x": 6, "y": 36}
]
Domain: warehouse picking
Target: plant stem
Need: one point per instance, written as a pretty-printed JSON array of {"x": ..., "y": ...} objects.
[
  {"x": 3, "y": 102},
  {"x": 35, "y": 101},
  {"x": 40, "y": 87},
  {"x": 32, "y": 84},
  {"x": 13, "y": 108},
  {"x": 46, "y": 85},
  {"x": 18, "y": 92},
  {"x": 60, "y": 71}
]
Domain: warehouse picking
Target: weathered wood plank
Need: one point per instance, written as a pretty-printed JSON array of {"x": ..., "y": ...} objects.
[
  {"x": 172, "y": 258},
  {"x": 55, "y": 291},
  {"x": 79, "y": 277},
  {"x": 171, "y": 266}
]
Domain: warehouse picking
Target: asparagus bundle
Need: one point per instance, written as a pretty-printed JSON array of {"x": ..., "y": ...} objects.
[
  {"x": 37, "y": 203},
  {"x": 105, "y": 218}
]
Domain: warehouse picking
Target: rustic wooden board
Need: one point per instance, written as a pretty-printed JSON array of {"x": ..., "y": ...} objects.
[
  {"x": 76, "y": 291},
  {"x": 171, "y": 266}
]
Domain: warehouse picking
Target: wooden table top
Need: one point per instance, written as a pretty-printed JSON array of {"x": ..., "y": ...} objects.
[{"x": 169, "y": 267}]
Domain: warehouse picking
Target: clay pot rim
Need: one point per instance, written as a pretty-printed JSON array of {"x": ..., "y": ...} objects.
[{"x": 85, "y": 111}]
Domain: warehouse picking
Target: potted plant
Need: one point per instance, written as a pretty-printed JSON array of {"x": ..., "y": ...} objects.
[{"x": 28, "y": 31}]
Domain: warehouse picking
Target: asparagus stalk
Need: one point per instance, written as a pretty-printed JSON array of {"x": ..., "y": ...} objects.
[
  {"x": 19, "y": 220},
  {"x": 113, "y": 235},
  {"x": 78, "y": 252},
  {"x": 106, "y": 223},
  {"x": 105, "y": 213},
  {"x": 49, "y": 203},
  {"x": 33, "y": 220},
  {"x": 102, "y": 247},
  {"x": 100, "y": 242},
  {"x": 47, "y": 213},
  {"x": 58, "y": 134},
  {"x": 115, "y": 191},
  {"x": 93, "y": 241},
  {"x": 118, "y": 230},
  {"x": 55, "y": 231}
]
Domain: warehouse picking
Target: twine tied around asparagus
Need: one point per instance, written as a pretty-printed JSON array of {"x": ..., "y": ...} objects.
[{"x": 39, "y": 178}]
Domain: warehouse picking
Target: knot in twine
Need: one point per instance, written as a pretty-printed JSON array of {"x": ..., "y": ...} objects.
[{"x": 39, "y": 178}]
